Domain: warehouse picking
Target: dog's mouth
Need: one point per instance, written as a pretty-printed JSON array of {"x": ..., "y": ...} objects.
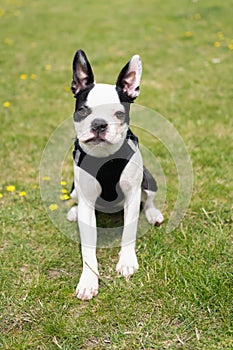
[{"x": 96, "y": 140}]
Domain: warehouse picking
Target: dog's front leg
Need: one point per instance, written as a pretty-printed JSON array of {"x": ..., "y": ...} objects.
[
  {"x": 87, "y": 287},
  {"x": 128, "y": 263}
]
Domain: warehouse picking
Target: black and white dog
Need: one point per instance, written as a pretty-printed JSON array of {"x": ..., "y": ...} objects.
[{"x": 108, "y": 167}]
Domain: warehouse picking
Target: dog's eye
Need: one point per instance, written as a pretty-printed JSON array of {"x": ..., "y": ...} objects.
[
  {"x": 120, "y": 115},
  {"x": 82, "y": 113}
]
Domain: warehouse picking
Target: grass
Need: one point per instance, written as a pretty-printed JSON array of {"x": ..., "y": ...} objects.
[{"x": 181, "y": 297}]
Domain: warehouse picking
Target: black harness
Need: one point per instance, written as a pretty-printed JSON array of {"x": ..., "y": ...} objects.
[{"x": 108, "y": 170}]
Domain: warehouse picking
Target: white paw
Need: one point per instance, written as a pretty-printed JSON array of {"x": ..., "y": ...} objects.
[
  {"x": 128, "y": 263},
  {"x": 154, "y": 216},
  {"x": 87, "y": 287},
  {"x": 72, "y": 214}
]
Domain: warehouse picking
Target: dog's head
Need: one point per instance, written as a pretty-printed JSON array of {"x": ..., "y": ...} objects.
[{"x": 101, "y": 114}]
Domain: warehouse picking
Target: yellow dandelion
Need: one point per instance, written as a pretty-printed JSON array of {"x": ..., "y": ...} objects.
[
  {"x": 147, "y": 38},
  {"x": 1, "y": 195},
  {"x": 220, "y": 35},
  {"x": 64, "y": 190},
  {"x": 2, "y": 12},
  {"x": 67, "y": 88},
  {"x": 48, "y": 67},
  {"x": 22, "y": 194},
  {"x": 64, "y": 197},
  {"x": 6, "y": 104},
  {"x": 23, "y": 76},
  {"x": 8, "y": 41},
  {"x": 46, "y": 178},
  {"x": 63, "y": 183},
  {"x": 53, "y": 207},
  {"x": 32, "y": 76},
  {"x": 217, "y": 44},
  {"x": 230, "y": 46},
  {"x": 10, "y": 188},
  {"x": 188, "y": 34},
  {"x": 197, "y": 16},
  {"x": 35, "y": 186}
]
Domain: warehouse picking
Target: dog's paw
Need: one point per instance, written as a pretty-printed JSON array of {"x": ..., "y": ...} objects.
[
  {"x": 72, "y": 214},
  {"x": 154, "y": 216},
  {"x": 128, "y": 263},
  {"x": 88, "y": 285}
]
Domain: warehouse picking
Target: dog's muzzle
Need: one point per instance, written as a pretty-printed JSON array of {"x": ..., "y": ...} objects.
[{"x": 98, "y": 126}]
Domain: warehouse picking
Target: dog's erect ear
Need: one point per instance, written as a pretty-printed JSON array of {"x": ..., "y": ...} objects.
[
  {"x": 82, "y": 72},
  {"x": 129, "y": 78}
]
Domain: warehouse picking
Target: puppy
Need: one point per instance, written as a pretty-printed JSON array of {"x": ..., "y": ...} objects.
[{"x": 108, "y": 168}]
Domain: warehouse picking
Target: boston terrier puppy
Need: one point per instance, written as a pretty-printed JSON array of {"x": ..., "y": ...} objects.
[{"x": 108, "y": 167}]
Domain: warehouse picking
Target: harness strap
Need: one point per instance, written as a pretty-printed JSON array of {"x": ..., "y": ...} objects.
[{"x": 107, "y": 170}]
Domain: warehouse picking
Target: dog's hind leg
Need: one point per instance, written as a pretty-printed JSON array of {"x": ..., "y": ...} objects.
[{"x": 149, "y": 189}]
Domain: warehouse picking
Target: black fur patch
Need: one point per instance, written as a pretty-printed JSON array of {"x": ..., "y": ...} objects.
[
  {"x": 81, "y": 63},
  {"x": 148, "y": 182},
  {"x": 81, "y": 98},
  {"x": 108, "y": 171}
]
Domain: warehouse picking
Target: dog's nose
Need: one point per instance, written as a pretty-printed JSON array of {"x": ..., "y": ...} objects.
[{"x": 99, "y": 125}]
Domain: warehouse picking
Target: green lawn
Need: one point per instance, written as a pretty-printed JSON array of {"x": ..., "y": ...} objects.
[{"x": 182, "y": 295}]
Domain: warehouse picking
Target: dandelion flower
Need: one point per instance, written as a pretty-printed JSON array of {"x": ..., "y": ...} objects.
[
  {"x": 147, "y": 38},
  {"x": 64, "y": 190},
  {"x": 1, "y": 195},
  {"x": 6, "y": 104},
  {"x": 8, "y": 41},
  {"x": 53, "y": 207},
  {"x": 217, "y": 44},
  {"x": 48, "y": 67},
  {"x": 23, "y": 76},
  {"x": 32, "y": 76},
  {"x": 188, "y": 34},
  {"x": 64, "y": 197},
  {"x": 2, "y": 12},
  {"x": 46, "y": 178},
  {"x": 220, "y": 35},
  {"x": 197, "y": 16},
  {"x": 230, "y": 46},
  {"x": 10, "y": 188},
  {"x": 22, "y": 194},
  {"x": 63, "y": 183},
  {"x": 67, "y": 88},
  {"x": 35, "y": 186}
]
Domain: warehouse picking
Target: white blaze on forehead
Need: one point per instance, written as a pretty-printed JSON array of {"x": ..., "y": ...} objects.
[{"x": 102, "y": 94}]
